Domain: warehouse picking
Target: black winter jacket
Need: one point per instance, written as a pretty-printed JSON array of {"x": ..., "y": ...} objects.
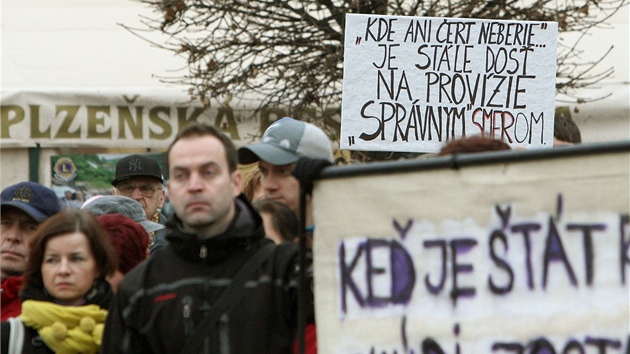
[{"x": 160, "y": 302}]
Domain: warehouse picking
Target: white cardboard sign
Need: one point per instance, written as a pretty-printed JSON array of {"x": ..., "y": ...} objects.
[{"x": 412, "y": 83}]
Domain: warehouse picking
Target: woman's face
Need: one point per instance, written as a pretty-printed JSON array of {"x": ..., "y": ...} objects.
[{"x": 69, "y": 268}]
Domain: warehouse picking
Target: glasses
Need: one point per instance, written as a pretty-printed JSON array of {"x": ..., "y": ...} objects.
[{"x": 146, "y": 190}]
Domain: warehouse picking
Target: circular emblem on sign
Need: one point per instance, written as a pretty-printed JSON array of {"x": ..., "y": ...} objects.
[{"x": 65, "y": 170}]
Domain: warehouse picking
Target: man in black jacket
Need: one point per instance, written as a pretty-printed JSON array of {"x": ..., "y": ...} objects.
[{"x": 165, "y": 302}]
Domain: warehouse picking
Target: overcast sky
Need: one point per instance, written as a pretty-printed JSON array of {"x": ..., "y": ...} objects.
[{"x": 78, "y": 43}]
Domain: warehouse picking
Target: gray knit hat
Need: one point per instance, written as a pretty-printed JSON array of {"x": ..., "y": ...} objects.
[{"x": 117, "y": 204}]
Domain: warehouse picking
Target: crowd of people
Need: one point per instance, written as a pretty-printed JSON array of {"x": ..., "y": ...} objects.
[{"x": 221, "y": 275}]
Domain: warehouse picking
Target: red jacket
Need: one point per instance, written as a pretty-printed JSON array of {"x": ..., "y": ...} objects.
[
  {"x": 310, "y": 340},
  {"x": 11, "y": 304}
]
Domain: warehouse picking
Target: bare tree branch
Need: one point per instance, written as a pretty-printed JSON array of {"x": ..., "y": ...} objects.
[{"x": 291, "y": 52}]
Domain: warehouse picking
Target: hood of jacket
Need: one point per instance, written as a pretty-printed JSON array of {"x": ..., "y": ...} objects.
[{"x": 245, "y": 230}]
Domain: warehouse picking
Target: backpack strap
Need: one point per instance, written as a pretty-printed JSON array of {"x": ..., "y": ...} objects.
[
  {"x": 16, "y": 336},
  {"x": 228, "y": 298}
]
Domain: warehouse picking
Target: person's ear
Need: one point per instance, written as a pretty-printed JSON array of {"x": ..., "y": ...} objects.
[
  {"x": 162, "y": 198},
  {"x": 237, "y": 183}
]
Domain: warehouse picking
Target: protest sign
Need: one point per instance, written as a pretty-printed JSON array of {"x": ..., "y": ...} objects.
[
  {"x": 411, "y": 83},
  {"x": 521, "y": 254}
]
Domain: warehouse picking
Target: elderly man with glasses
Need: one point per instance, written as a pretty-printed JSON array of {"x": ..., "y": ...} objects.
[{"x": 139, "y": 177}]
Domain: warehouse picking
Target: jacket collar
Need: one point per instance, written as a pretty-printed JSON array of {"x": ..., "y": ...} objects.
[{"x": 245, "y": 228}]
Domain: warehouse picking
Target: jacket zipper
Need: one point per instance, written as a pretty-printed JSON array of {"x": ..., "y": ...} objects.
[
  {"x": 187, "y": 311},
  {"x": 224, "y": 335}
]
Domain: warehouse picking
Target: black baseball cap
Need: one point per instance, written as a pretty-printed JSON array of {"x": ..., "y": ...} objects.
[{"x": 137, "y": 166}]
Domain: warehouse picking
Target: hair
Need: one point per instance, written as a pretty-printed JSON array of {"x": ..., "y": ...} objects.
[
  {"x": 66, "y": 222},
  {"x": 473, "y": 144},
  {"x": 129, "y": 239},
  {"x": 201, "y": 130},
  {"x": 565, "y": 129},
  {"x": 252, "y": 183},
  {"x": 283, "y": 218}
]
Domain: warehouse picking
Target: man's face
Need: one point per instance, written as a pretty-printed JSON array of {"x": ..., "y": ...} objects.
[
  {"x": 146, "y": 191},
  {"x": 17, "y": 228},
  {"x": 201, "y": 187},
  {"x": 279, "y": 184}
]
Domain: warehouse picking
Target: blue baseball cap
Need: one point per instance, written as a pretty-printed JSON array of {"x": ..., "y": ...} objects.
[{"x": 35, "y": 200}]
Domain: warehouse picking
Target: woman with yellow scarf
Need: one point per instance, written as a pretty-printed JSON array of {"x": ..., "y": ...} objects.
[{"x": 64, "y": 295}]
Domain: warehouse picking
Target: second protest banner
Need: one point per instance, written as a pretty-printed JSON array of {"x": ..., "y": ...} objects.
[{"x": 505, "y": 253}]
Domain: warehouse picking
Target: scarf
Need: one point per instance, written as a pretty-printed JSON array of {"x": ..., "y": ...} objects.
[
  {"x": 156, "y": 219},
  {"x": 66, "y": 329}
]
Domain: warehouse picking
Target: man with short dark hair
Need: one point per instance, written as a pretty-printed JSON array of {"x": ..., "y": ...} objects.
[
  {"x": 218, "y": 286},
  {"x": 23, "y": 207},
  {"x": 139, "y": 177}
]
